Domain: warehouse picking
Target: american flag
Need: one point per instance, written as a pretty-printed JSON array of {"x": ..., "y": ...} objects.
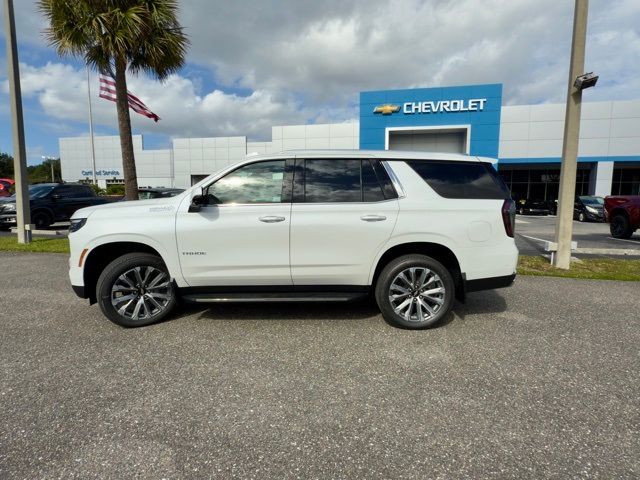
[{"x": 108, "y": 91}]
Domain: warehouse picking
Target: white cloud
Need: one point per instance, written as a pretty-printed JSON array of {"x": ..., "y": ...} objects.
[
  {"x": 61, "y": 91},
  {"x": 306, "y": 60}
]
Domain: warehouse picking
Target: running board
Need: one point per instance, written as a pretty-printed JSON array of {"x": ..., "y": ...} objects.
[{"x": 274, "y": 297}]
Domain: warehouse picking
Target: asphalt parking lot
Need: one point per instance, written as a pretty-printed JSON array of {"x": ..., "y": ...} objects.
[
  {"x": 592, "y": 238},
  {"x": 538, "y": 380}
]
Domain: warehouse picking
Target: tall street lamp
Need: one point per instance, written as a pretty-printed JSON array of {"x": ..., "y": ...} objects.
[
  {"x": 578, "y": 81},
  {"x": 23, "y": 214}
]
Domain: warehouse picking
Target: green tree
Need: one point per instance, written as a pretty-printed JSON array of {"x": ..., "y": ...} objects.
[
  {"x": 119, "y": 35},
  {"x": 6, "y": 165},
  {"x": 41, "y": 173}
]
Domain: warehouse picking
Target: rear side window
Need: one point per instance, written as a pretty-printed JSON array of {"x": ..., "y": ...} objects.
[
  {"x": 461, "y": 179},
  {"x": 341, "y": 181}
]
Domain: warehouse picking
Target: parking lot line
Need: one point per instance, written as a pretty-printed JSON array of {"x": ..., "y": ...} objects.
[{"x": 635, "y": 242}]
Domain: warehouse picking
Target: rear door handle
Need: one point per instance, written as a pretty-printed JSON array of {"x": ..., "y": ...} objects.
[
  {"x": 271, "y": 219},
  {"x": 373, "y": 218}
]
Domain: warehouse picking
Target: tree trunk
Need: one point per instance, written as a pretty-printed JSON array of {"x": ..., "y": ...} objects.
[{"x": 124, "y": 126}]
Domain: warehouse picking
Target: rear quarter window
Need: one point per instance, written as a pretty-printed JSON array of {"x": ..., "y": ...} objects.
[{"x": 461, "y": 179}]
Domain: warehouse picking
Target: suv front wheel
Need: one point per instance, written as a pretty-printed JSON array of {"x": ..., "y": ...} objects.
[
  {"x": 136, "y": 290},
  {"x": 414, "y": 291}
]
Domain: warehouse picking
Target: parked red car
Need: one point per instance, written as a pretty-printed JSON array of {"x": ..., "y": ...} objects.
[
  {"x": 6, "y": 187},
  {"x": 623, "y": 214}
]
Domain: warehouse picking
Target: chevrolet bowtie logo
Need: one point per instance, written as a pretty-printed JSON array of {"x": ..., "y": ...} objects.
[{"x": 387, "y": 109}]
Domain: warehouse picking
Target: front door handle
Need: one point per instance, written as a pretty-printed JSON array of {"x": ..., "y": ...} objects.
[
  {"x": 373, "y": 218},
  {"x": 271, "y": 219}
]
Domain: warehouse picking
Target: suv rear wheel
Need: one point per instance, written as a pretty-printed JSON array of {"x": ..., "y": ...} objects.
[
  {"x": 136, "y": 290},
  {"x": 414, "y": 291}
]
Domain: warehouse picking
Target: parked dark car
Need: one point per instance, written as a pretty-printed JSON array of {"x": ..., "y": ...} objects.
[
  {"x": 533, "y": 207},
  {"x": 51, "y": 203},
  {"x": 145, "y": 193},
  {"x": 588, "y": 207},
  {"x": 553, "y": 207}
]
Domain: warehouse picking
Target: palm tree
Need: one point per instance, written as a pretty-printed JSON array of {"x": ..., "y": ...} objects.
[{"x": 119, "y": 35}]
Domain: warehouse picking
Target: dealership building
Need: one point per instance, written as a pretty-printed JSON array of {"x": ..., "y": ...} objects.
[{"x": 526, "y": 140}]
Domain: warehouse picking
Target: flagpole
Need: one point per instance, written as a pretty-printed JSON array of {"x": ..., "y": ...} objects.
[{"x": 93, "y": 148}]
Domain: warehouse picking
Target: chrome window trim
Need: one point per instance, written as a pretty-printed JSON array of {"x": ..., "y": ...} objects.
[{"x": 394, "y": 179}]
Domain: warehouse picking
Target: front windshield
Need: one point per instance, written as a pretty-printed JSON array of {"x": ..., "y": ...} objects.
[
  {"x": 39, "y": 191},
  {"x": 592, "y": 200},
  {"x": 35, "y": 191}
]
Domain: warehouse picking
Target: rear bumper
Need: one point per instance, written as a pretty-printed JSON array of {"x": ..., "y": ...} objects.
[{"x": 490, "y": 283}]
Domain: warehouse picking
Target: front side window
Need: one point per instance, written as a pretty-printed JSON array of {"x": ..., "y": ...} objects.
[{"x": 254, "y": 183}]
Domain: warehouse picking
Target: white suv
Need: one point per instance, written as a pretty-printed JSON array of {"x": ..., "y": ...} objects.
[{"x": 416, "y": 230}]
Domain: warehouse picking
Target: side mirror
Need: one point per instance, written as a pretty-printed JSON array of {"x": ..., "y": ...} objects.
[{"x": 197, "y": 202}]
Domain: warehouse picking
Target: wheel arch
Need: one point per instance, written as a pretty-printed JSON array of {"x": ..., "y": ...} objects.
[
  {"x": 45, "y": 210},
  {"x": 100, "y": 256},
  {"x": 437, "y": 251}
]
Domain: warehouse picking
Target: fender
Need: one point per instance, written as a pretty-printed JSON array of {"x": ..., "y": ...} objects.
[
  {"x": 434, "y": 237},
  {"x": 171, "y": 261}
]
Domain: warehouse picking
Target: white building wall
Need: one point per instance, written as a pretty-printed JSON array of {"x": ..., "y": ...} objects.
[
  {"x": 526, "y": 131},
  {"x": 606, "y": 129}
]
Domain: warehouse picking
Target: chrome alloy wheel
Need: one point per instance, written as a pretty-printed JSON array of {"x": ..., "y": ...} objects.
[
  {"x": 416, "y": 294},
  {"x": 141, "y": 293}
]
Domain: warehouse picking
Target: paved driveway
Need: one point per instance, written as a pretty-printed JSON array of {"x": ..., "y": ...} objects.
[
  {"x": 539, "y": 380},
  {"x": 593, "y": 238}
]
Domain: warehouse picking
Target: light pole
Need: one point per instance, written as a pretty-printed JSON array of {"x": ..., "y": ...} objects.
[
  {"x": 51, "y": 159},
  {"x": 577, "y": 82},
  {"x": 23, "y": 213}
]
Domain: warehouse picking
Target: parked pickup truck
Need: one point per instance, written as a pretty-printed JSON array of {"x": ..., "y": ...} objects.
[
  {"x": 51, "y": 203},
  {"x": 623, "y": 214}
]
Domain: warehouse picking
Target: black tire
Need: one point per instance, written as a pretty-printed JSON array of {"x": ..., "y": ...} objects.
[
  {"x": 390, "y": 273},
  {"x": 620, "y": 226},
  {"x": 111, "y": 277},
  {"x": 521, "y": 211},
  {"x": 581, "y": 217},
  {"x": 41, "y": 219}
]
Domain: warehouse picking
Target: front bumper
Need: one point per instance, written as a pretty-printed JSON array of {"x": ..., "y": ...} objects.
[
  {"x": 8, "y": 219},
  {"x": 595, "y": 217}
]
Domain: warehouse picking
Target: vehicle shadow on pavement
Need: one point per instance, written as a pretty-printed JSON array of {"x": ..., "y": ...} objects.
[
  {"x": 486, "y": 302},
  {"x": 479, "y": 303},
  {"x": 356, "y": 310}
]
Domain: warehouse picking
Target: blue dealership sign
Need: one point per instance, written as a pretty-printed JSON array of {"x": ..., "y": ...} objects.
[{"x": 475, "y": 108}]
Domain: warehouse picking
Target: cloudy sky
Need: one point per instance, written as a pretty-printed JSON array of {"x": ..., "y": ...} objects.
[{"x": 254, "y": 64}]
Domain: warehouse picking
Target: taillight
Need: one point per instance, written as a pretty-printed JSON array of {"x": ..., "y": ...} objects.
[{"x": 509, "y": 216}]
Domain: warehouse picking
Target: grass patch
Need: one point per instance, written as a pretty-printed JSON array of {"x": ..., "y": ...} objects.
[
  {"x": 593, "y": 268},
  {"x": 42, "y": 245}
]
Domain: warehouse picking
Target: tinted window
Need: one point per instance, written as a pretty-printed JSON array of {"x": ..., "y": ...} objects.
[
  {"x": 70, "y": 191},
  {"x": 332, "y": 181},
  {"x": 461, "y": 179},
  {"x": 255, "y": 183},
  {"x": 371, "y": 190},
  {"x": 384, "y": 180}
]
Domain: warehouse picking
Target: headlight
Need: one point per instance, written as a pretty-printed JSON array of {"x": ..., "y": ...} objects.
[
  {"x": 9, "y": 207},
  {"x": 592, "y": 210},
  {"x": 77, "y": 224}
]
